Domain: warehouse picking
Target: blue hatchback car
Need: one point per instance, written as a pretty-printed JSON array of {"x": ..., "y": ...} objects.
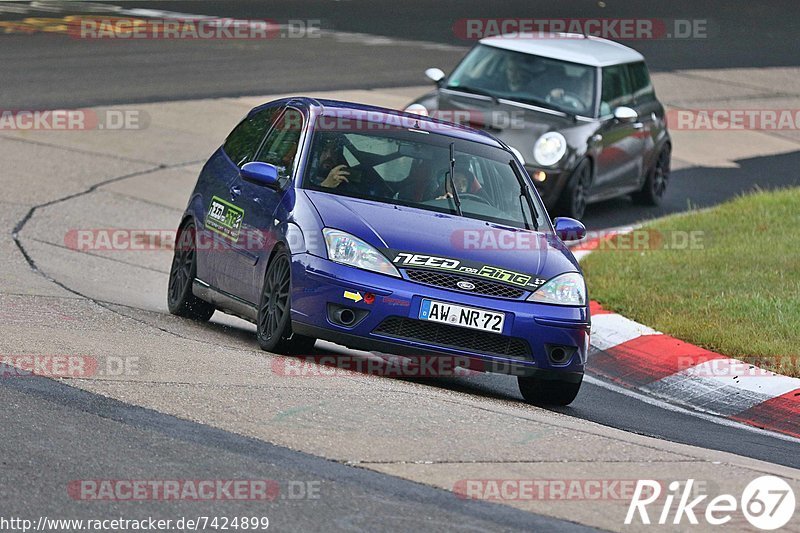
[{"x": 384, "y": 231}]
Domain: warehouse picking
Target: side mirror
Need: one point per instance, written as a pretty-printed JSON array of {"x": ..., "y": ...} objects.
[
  {"x": 260, "y": 173},
  {"x": 569, "y": 229},
  {"x": 436, "y": 75},
  {"x": 625, "y": 114}
]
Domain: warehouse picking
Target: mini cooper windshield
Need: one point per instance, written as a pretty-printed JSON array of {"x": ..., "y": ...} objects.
[
  {"x": 425, "y": 170},
  {"x": 543, "y": 81}
]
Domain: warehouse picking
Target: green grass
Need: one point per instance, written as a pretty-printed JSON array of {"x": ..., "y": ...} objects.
[{"x": 736, "y": 291}]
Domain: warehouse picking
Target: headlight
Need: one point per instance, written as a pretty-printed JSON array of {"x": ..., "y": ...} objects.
[
  {"x": 349, "y": 250},
  {"x": 549, "y": 148},
  {"x": 566, "y": 289},
  {"x": 417, "y": 109}
]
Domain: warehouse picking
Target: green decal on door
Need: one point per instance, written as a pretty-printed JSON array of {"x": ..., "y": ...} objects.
[{"x": 224, "y": 218}]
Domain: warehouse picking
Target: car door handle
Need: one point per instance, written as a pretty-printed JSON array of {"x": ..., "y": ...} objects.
[{"x": 235, "y": 192}]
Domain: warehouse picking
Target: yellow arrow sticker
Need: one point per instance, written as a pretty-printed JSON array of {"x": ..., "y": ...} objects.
[{"x": 355, "y": 296}]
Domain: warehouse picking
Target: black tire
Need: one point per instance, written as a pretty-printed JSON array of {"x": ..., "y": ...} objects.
[
  {"x": 180, "y": 300},
  {"x": 548, "y": 392},
  {"x": 572, "y": 202},
  {"x": 273, "y": 326},
  {"x": 655, "y": 185}
]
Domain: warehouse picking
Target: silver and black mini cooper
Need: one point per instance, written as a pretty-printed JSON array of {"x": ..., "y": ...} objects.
[{"x": 580, "y": 111}]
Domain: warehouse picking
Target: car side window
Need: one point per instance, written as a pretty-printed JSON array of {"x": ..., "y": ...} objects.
[
  {"x": 243, "y": 141},
  {"x": 641, "y": 85},
  {"x": 616, "y": 89},
  {"x": 280, "y": 146}
]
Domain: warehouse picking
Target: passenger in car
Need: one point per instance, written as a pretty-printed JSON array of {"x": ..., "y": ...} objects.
[{"x": 521, "y": 72}]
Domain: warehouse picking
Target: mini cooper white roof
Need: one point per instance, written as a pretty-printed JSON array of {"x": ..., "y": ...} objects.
[{"x": 572, "y": 47}]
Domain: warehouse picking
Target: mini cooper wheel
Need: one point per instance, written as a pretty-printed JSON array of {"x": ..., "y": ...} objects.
[
  {"x": 274, "y": 326},
  {"x": 573, "y": 199},
  {"x": 540, "y": 391},
  {"x": 182, "y": 273},
  {"x": 655, "y": 185}
]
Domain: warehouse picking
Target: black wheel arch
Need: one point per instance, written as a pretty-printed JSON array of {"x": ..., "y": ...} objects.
[{"x": 589, "y": 159}]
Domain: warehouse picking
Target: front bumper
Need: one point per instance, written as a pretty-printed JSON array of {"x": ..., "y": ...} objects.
[
  {"x": 550, "y": 189},
  {"x": 318, "y": 283}
]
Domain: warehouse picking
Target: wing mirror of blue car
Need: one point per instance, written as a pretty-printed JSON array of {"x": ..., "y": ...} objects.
[
  {"x": 260, "y": 173},
  {"x": 625, "y": 114},
  {"x": 569, "y": 229},
  {"x": 436, "y": 75}
]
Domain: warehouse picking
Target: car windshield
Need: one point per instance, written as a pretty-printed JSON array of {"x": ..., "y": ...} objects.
[
  {"x": 551, "y": 83},
  {"x": 412, "y": 168}
]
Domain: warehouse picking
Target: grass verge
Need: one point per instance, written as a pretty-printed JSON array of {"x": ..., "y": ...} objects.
[{"x": 726, "y": 278}]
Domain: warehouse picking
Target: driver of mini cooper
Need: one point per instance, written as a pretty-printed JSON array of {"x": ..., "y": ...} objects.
[{"x": 580, "y": 87}]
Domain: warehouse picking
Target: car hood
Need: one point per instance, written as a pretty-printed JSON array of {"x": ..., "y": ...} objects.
[
  {"x": 517, "y": 126},
  {"x": 501, "y": 116},
  {"x": 396, "y": 229}
]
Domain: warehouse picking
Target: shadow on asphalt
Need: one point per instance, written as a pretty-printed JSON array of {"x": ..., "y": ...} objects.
[{"x": 698, "y": 187}]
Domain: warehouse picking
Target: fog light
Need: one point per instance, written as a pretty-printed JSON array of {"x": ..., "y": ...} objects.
[{"x": 539, "y": 176}]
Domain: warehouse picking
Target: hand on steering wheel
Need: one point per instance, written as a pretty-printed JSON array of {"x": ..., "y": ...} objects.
[{"x": 564, "y": 97}]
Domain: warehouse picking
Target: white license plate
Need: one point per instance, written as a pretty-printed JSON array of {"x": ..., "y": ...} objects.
[{"x": 459, "y": 315}]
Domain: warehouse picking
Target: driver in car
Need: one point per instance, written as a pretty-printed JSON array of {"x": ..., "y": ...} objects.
[
  {"x": 333, "y": 172},
  {"x": 332, "y": 169},
  {"x": 518, "y": 74},
  {"x": 465, "y": 183},
  {"x": 576, "y": 93}
]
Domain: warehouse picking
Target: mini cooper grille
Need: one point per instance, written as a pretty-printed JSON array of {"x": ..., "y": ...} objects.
[
  {"x": 454, "y": 337},
  {"x": 449, "y": 281}
]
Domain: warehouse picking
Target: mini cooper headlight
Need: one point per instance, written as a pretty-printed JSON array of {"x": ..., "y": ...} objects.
[
  {"x": 417, "y": 109},
  {"x": 349, "y": 250},
  {"x": 549, "y": 148},
  {"x": 566, "y": 289}
]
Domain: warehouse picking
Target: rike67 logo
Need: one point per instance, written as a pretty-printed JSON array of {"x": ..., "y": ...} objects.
[{"x": 767, "y": 502}]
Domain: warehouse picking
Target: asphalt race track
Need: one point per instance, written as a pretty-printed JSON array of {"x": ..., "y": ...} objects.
[{"x": 354, "y": 452}]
